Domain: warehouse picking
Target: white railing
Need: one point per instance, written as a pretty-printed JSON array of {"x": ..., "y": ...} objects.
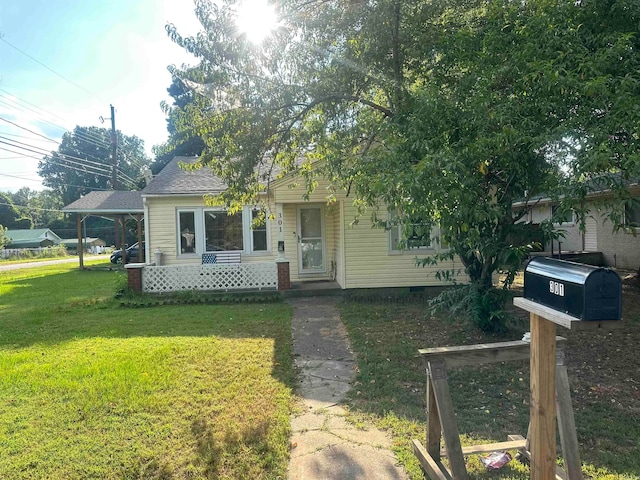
[{"x": 238, "y": 276}]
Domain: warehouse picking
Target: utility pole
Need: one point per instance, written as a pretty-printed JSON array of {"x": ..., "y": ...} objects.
[{"x": 114, "y": 151}]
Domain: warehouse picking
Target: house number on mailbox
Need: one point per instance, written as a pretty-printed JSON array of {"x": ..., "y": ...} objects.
[{"x": 556, "y": 288}]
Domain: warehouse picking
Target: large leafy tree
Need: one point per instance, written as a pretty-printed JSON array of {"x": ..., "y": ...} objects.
[
  {"x": 10, "y": 216},
  {"x": 83, "y": 163},
  {"x": 182, "y": 141},
  {"x": 446, "y": 111},
  {"x": 41, "y": 206}
]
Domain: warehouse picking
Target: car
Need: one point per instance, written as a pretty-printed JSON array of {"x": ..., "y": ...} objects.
[{"x": 132, "y": 254}]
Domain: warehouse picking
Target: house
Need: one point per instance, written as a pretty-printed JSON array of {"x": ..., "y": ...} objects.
[
  {"x": 309, "y": 240},
  {"x": 620, "y": 247},
  {"x": 91, "y": 244},
  {"x": 32, "y": 238}
]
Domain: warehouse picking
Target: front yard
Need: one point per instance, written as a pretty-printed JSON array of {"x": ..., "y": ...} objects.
[
  {"x": 89, "y": 389},
  {"x": 493, "y": 401}
]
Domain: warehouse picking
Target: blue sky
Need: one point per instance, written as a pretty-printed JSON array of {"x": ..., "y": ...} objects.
[{"x": 116, "y": 50}]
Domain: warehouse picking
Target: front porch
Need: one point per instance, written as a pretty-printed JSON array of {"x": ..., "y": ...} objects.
[{"x": 255, "y": 276}]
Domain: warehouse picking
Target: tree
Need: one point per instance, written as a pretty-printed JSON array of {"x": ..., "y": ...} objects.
[
  {"x": 182, "y": 142},
  {"x": 83, "y": 163},
  {"x": 3, "y": 237},
  {"x": 42, "y": 207},
  {"x": 447, "y": 112},
  {"x": 10, "y": 215}
]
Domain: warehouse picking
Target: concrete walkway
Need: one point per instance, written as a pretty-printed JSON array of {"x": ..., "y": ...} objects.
[{"x": 324, "y": 445}]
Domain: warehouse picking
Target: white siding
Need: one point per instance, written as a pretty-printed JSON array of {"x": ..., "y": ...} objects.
[{"x": 369, "y": 263}]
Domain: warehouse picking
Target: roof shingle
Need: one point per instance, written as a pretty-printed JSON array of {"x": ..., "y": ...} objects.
[{"x": 173, "y": 180}]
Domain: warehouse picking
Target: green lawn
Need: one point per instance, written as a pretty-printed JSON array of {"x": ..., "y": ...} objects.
[
  {"x": 493, "y": 401},
  {"x": 89, "y": 389}
]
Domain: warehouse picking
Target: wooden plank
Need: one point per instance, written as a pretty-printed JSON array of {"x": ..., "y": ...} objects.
[
  {"x": 460, "y": 356},
  {"x": 434, "y": 469},
  {"x": 438, "y": 375},
  {"x": 599, "y": 325},
  {"x": 566, "y": 423},
  {"x": 434, "y": 429},
  {"x": 492, "y": 447},
  {"x": 545, "y": 312},
  {"x": 542, "y": 405},
  {"x": 560, "y": 475}
]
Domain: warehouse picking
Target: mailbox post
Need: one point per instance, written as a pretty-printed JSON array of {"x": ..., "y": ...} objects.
[{"x": 563, "y": 293}]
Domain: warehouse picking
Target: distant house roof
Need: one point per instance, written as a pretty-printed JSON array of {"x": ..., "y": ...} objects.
[
  {"x": 31, "y": 238},
  {"x": 173, "y": 180},
  {"x": 73, "y": 242},
  {"x": 105, "y": 203}
]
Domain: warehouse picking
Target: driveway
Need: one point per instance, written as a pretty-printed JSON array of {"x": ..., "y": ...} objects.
[{"x": 17, "y": 266}]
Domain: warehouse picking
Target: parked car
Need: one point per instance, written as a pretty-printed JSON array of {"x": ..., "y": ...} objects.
[{"x": 132, "y": 254}]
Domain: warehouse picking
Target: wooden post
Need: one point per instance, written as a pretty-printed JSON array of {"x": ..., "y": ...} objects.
[
  {"x": 438, "y": 376},
  {"x": 80, "y": 249},
  {"x": 434, "y": 429},
  {"x": 124, "y": 241},
  {"x": 543, "y": 406},
  {"x": 566, "y": 421}
]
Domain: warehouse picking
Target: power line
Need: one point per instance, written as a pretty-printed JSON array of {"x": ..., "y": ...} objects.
[
  {"x": 66, "y": 157},
  {"x": 84, "y": 135},
  {"x": 70, "y": 167},
  {"x": 51, "y": 69},
  {"x": 30, "y": 131},
  {"x": 32, "y": 208},
  {"x": 66, "y": 184}
]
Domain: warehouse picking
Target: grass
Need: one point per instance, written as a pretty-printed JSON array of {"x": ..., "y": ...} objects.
[
  {"x": 493, "y": 401},
  {"x": 89, "y": 389}
]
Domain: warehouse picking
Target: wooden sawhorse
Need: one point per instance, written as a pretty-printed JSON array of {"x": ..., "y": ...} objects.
[{"x": 441, "y": 421}]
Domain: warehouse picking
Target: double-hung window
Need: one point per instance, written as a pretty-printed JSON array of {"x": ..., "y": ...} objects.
[
  {"x": 187, "y": 239},
  {"x": 206, "y": 230},
  {"x": 562, "y": 218},
  {"x": 411, "y": 236}
]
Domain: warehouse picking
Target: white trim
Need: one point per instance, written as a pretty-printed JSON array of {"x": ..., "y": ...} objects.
[{"x": 147, "y": 256}]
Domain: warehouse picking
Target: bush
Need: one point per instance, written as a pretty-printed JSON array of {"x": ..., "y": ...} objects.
[{"x": 483, "y": 307}]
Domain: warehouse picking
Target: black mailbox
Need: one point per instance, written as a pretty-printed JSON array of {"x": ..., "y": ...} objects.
[{"x": 582, "y": 291}]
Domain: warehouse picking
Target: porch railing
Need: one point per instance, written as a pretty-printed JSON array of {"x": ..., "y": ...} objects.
[{"x": 239, "y": 276}]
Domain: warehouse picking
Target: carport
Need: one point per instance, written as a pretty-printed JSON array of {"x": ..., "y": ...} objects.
[{"x": 118, "y": 205}]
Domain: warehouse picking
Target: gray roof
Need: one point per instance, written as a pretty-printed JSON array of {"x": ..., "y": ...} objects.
[
  {"x": 173, "y": 180},
  {"x": 107, "y": 203}
]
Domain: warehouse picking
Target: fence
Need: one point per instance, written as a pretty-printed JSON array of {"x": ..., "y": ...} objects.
[
  {"x": 54, "y": 251},
  {"x": 239, "y": 276}
]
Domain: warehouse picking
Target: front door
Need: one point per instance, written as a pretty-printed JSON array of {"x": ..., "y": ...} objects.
[{"x": 311, "y": 240}]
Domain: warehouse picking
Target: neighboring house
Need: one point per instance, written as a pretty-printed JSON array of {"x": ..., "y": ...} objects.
[
  {"x": 93, "y": 245},
  {"x": 32, "y": 238},
  {"x": 319, "y": 241},
  {"x": 619, "y": 247}
]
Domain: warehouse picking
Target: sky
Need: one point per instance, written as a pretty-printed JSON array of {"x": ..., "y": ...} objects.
[{"x": 109, "y": 52}]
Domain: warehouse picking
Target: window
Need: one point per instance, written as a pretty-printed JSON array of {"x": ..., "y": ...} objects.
[
  {"x": 411, "y": 236},
  {"x": 202, "y": 230},
  {"x": 258, "y": 234},
  {"x": 223, "y": 232},
  {"x": 562, "y": 217},
  {"x": 632, "y": 215},
  {"x": 187, "y": 231}
]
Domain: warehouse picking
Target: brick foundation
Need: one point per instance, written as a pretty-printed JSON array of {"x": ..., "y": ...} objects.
[
  {"x": 134, "y": 278},
  {"x": 284, "y": 279}
]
